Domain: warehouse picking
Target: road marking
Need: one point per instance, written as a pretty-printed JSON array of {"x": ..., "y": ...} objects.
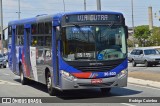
[
  {"x": 127, "y": 104},
  {"x": 6, "y": 74},
  {"x": 7, "y": 83},
  {"x": 145, "y": 86}
]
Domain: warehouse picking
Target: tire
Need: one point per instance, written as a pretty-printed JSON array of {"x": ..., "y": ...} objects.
[
  {"x": 4, "y": 66},
  {"x": 24, "y": 81},
  {"x": 105, "y": 91},
  {"x": 134, "y": 63},
  {"x": 51, "y": 90},
  {"x": 146, "y": 63}
]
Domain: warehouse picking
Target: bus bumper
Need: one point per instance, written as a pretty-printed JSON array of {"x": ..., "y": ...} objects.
[{"x": 67, "y": 84}]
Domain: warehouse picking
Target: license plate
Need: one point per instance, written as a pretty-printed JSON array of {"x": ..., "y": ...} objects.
[{"x": 96, "y": 81}]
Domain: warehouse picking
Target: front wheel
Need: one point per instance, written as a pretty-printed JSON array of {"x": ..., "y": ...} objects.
[
  {"x": 146, "y": 63},
  {"x": 133, "y": 63},
  {"x": 105, "y": 91},
  {"x": 51, "y": 90}
]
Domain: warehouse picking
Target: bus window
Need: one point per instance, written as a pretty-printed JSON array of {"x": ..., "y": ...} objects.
[
  {"x": 9, "y": 30},
  {"x": 34, "y": 28},
  {"x": 34, "y": 41},
  {"x": 48, "y": 40},
  {"x": 48, "y": 28},
  {"x": 40, "y": 41},
  {"x": 9, "y": 35},
  {"x": 41, "y": 28},
  {"x": 10, "y": 39}
]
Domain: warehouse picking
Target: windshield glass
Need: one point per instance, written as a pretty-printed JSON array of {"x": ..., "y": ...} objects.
[
  {"x": 1, "y": 56},
  {"x": 151, "y": 51},
  {"x": 93, "y": 43}
]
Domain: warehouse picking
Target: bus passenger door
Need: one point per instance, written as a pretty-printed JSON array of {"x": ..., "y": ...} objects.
[
  {"x": 55, "y": 62},
  {"x": 26, "y": 51},
  {"x": 12, "y": 58}
]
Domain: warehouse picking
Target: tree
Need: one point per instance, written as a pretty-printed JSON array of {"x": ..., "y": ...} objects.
[
  {"x": 142, "y": 34},
  {"x": 155, "y": 37}
]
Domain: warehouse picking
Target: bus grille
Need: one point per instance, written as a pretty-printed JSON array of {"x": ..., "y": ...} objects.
[
  {"x": 102, "y": 66},
  {"x": 96, "y": 68}
]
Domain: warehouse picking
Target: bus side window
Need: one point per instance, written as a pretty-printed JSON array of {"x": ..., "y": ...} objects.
[
  {"x": 41, "y": 28},
  {"x": 48, "y": 28},
  {"x": 34, "y": 41},
  {"x": 34, "y": 28}
]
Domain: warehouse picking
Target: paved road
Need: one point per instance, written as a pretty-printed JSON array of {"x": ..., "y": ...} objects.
[
  {"x": 10, "y": 87},
  {"x": 142, "y": 68}
]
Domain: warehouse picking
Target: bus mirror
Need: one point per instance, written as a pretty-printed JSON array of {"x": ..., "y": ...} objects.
[{"x": 126, "y": 31}]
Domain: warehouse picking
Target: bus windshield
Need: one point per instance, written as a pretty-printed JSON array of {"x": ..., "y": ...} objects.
[{"x": 88, "y": 43}]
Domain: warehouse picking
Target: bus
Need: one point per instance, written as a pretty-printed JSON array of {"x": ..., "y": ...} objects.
[{"x": 71, "y": 50}]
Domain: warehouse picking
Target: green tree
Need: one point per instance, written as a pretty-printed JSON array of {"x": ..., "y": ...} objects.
[
  {"x": 142, "y": 34},
  {"x": 155, "y": 37}
]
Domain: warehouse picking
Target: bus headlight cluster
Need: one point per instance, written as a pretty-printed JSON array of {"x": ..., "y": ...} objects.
[
  {"x": 67, "y": 75},
  {"x": 122, "y": 73}
]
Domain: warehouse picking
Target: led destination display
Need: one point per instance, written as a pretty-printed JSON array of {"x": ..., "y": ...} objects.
[{"x": 92, "y": 18}]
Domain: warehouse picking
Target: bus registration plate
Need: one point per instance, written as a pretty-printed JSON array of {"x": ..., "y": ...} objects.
[{"x": 96, "y": 81}]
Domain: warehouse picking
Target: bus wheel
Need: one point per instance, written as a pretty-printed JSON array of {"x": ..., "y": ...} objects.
[
  {"x": 51, "y": 90},
  {"x": 22, "y": 78},
  {"x": 105, "y": 91},
  {"x": 4, "y": 66}
]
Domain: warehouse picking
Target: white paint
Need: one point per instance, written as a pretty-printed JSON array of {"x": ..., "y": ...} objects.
[
  {"x": 127, "y": 104},
  {"x": 33, "y": 62}
]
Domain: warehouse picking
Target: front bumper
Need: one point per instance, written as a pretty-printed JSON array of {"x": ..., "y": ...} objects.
[
  {"x": 154, "y": 62},
  {"x": 67, "y": 84}
]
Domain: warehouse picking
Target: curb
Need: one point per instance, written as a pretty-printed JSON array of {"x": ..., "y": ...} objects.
[{"x": 148, "y": 83}]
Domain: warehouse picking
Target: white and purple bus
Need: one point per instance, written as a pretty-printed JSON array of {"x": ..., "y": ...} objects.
[{"x": 66, "y": 51}]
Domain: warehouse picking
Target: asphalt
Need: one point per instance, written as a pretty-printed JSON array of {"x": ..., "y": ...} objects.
[
  {"x": 150, "y": 80},
  {"x": 148, "y": 83}
]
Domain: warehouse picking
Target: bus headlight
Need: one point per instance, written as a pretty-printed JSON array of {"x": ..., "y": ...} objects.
[
  {"x": 67, "y": 75},
  {"x": 122, "y": 73}
]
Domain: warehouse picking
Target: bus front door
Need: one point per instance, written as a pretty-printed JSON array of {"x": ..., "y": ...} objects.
[
  {"x": 12, "y": 60},
  {"x": 26, "y": 51},
  {"x": 55, "y": 57}
]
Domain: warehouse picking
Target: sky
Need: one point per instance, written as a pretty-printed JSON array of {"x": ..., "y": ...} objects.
[{"x": 32, "y": 8}]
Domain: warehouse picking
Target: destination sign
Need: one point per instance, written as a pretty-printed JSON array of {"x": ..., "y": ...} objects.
[{"x": 92, "y": 18}]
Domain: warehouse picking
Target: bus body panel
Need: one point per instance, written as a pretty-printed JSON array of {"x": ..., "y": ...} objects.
[{"x": 10, "y": 56}]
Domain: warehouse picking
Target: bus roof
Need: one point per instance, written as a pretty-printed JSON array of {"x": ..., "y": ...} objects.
[{"x": 58, "y": 16}]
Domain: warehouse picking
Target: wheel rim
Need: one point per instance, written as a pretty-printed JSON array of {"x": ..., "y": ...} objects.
[
  {"x": 21, "y": 76},
  {"x": 49, "y": 83},
  {"x": 133, "y": 63}
]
